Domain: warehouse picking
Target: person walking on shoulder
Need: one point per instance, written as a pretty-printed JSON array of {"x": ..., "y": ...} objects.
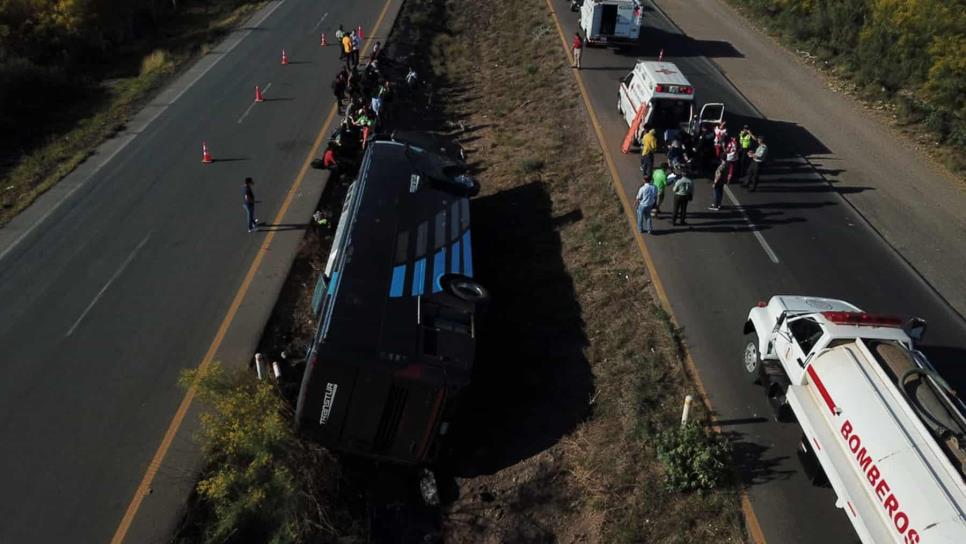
[
  {"x": 757, "y": 158},
  {"x": 249, "y": 204},
  {"x": 683, "y": 190},
  {"x": 577, "y": 48},
  {"x": 648, "y": 148},
  {"x": 646, "y": 198}
]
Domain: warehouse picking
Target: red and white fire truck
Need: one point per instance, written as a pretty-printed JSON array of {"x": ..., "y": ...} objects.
[{"x": 879, "y": 423}]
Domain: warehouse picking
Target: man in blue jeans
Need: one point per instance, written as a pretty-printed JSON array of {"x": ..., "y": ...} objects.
[
  {"x": 249, "y": 204},
  {"x": 646, "y": 199}
]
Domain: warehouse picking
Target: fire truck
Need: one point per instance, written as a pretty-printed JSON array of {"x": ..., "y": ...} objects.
[{"x": 879, "y": 424}]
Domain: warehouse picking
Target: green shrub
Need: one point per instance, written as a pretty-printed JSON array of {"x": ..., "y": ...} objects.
[
  {"x": 693, "y": 458},
  {"x": 262, "y": 483}
]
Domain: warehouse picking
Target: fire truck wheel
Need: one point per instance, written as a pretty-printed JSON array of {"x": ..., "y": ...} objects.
[
  {"x": 752, "y": 358},
  {"x": 464, "y": 288}
]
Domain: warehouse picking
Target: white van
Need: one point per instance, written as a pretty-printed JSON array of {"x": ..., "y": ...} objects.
[
  {"x": 667, "y": 97},
  {"x": 606, "y": 22}
]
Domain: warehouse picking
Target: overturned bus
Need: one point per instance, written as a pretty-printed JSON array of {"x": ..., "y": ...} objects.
[{"x": 396, "y": 306}]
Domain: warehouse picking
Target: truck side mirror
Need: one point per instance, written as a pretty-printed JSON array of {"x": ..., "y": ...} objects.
[{"x": 915, "y": 327}]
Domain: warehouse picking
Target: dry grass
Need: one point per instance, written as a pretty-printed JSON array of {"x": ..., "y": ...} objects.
[{"x": 495, "y": 66}]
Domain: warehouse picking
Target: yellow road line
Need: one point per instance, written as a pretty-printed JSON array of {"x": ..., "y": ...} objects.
[
  {"x": 142, "y": 490},
  {"x": 751, "y": 520}
]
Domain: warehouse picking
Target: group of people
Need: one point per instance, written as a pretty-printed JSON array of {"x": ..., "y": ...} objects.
[
  {"x": 363, "y": 94},
  {"x": 695, "y": 150}
]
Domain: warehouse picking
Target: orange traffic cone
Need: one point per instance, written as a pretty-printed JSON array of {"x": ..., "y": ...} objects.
[
  {"x": 362, "y": 36},
  {"x": 258, "y": 94},
  {"x": 205, "y": 155},
  {"x": 284, "y": 57},
  {"x": 660, "y": 55},
  {"x": 323, "y": 42}
]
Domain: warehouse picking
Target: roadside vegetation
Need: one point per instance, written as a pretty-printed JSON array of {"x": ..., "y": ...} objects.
[
  {"x": 72, "y": 72},
  {"x": 906, "y": 55},
  {"x": 571, "y": 430}
]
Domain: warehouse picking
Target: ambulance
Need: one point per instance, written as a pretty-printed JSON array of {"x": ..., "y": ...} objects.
[
  {"x": 606, "y": 22},
  {"x": 667, "y": 99}
]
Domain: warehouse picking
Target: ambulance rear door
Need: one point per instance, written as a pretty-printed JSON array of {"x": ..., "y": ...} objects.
[
  {"x": 632, "y": 94},
  {"x": 711, "y": 114}
]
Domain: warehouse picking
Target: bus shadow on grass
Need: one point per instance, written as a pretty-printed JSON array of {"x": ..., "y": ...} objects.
[{"x": 532, "y": 382}]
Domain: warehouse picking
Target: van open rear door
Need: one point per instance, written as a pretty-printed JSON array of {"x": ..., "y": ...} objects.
[{"x": 711, "y": 114}]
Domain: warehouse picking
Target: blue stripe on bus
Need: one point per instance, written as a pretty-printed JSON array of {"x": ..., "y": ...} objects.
[
  {"x": 454, "y": 257},
  {"x": 419, "y": 277},
  {"x": 439, "y": 268},
  {"x": 467, "y": 255},
  {"x": 398, "y": 279},
  {"x": 333, "y": 282}
]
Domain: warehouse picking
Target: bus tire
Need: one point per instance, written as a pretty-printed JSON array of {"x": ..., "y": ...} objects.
[{"x": 464, "y": 288}]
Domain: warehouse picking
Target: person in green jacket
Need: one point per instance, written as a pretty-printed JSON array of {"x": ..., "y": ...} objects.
[{"x": 659, "y": 178}]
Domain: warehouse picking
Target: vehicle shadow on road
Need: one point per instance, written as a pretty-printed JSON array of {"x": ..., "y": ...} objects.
[
  {"x": 654, "y": 40},
  {"x": 532, "y": 381},
  {"x": 752, "y": 463}
]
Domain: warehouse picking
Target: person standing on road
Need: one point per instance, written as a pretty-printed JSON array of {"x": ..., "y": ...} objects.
[
  {"x": 347, "y": 50},
  {"x": 683, "y": 190},
  {"x": 339, "y": 34},
  {"x": 577, "y": 49},
  {"x": 646, "y": 198},
  {"x": 249, "y": 203},
  {"x": 757, "y": 158},
  {"x": 356, "y": 46},
  {"x": 718, "y": 186},
  {"x": 659, "y": 177},
  {"x": 720, "y": 139},
  {"x": 339, "y": 87},
  {"x": 648, "y": 147},
  {"x": 731, "y": 158},
  {"x": 745, "y": 140}
]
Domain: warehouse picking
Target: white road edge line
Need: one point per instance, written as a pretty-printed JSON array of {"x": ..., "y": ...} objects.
[
  {"x": 326, "y": 14},
  {"x": 754, "y": 228},
  {"x": 116, "y": 275},
  {"x": 43, "y": 218},
  {"x": 252, "y": 105}
]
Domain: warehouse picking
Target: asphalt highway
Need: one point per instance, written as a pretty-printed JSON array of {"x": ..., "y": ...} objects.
[
  {"x": 795, "y": 235},
  {"x": 109, "y": 298}
]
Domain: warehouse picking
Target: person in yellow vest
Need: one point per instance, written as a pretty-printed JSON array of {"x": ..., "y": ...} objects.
[
  {"x": 648, "y": 147},
  {"x": 745, "y": 139},
  {"x": 347, "y": 49}
]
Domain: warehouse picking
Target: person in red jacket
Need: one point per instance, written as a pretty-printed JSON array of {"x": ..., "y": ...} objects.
[
  {"x": 577, "y": 48},
  {"x": 328, "y": 160}
]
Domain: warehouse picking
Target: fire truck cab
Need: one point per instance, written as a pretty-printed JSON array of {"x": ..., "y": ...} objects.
[{"x": 879, "y": 424}]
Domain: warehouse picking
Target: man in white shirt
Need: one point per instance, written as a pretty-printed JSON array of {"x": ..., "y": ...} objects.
[
  {"x": 646, "y": 198},
  {"x": 757, "y": 157}
]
